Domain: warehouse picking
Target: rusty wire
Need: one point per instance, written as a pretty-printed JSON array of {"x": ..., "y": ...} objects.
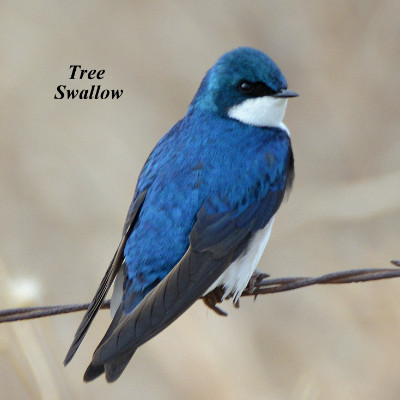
[{"x": 260, "y": 287}]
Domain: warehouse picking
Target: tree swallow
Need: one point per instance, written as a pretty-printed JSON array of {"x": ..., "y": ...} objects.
[{"x": 203, "y": 208}]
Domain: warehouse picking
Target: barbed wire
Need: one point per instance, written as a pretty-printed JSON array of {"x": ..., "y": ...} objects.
[{"x": 259, "y": 287}]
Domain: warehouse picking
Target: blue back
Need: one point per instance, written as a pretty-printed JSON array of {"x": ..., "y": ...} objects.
[{"x": 203, "y": 157}]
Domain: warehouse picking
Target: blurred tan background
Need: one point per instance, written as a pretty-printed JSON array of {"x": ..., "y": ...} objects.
[{"x": 68, "y": 169}]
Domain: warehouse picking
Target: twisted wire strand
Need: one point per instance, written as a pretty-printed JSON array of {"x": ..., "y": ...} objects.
[{"x": 264, "y": 286}]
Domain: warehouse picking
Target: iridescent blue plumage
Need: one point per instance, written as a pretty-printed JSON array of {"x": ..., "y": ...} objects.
[
  {"x": 211, "y": 162},
  {"x": 203, "y": 206}
]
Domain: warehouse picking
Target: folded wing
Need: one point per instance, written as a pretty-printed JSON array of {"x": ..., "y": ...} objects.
[
  {"x": 216, "y": 240},
  {"x": 107, "y": 280}
]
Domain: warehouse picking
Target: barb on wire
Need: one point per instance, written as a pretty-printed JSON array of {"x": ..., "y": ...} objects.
[
  {"x": 352, "y": 276},
  {"x": 259, "y": 287}
]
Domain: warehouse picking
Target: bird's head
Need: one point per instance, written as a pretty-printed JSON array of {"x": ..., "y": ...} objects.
[{"x": 246, "y": 85}]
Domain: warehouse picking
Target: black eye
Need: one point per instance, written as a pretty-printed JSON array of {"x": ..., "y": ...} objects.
[
  {"x": 246, "y": 87},
  {"x": 255, "y": 89}
]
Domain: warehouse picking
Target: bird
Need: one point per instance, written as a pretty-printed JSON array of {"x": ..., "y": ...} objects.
[{"x": 202, "y": 210}]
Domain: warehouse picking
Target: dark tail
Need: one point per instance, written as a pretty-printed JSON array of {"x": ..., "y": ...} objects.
[{"x": 113, "y": 369}]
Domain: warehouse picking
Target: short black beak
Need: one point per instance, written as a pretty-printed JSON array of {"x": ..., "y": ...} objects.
[{"x": 285, "y": 93}]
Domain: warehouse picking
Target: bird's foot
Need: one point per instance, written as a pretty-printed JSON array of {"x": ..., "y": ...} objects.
[
  {"x": 213, "y": 298},
  {"x": 254, "y": 279}
]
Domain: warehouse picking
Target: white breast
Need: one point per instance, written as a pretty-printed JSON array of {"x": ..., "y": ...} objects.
[{"x": 237, "y": 275}]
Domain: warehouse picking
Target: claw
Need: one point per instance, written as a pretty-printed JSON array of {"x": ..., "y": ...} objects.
[
  {"x": 255, "y": 278},
  {"x": 214, "y": 297}
]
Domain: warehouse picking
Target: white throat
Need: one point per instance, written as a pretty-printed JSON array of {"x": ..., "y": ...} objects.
[{"x": 260, "y": 111}]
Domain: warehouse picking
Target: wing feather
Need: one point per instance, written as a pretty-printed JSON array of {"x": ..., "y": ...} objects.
[
  {"x": 216, "y": 240},
  {"x": 107, "y": 280}
]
